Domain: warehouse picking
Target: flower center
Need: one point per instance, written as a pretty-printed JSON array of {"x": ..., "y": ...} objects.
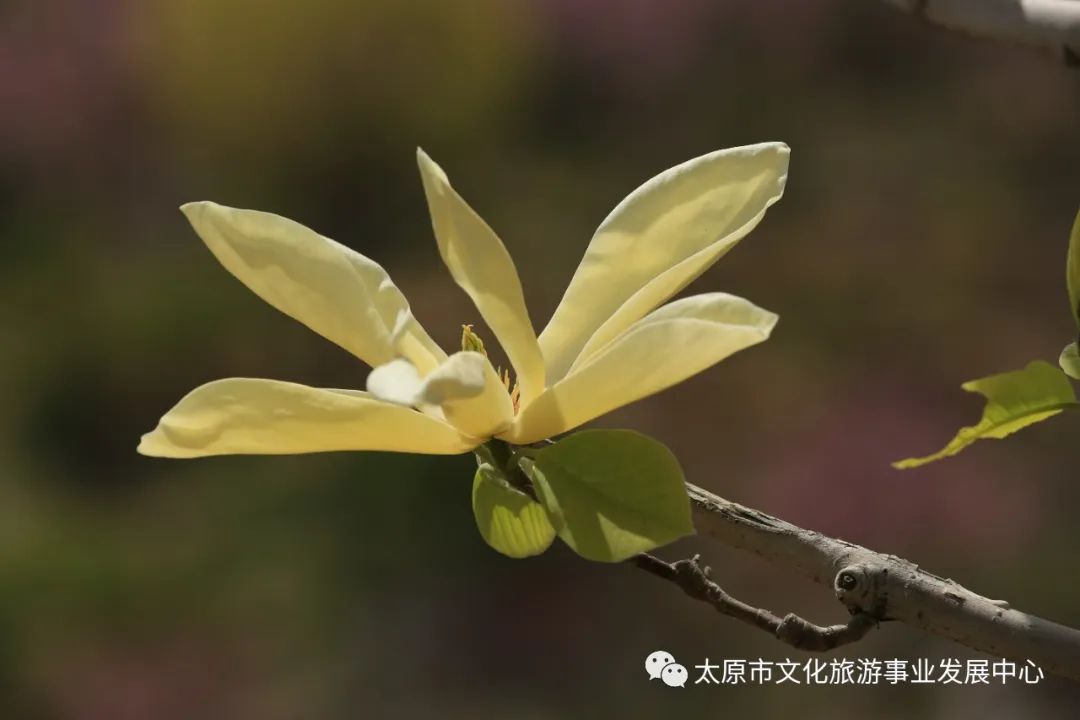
[{"x": 471, "y": 342}]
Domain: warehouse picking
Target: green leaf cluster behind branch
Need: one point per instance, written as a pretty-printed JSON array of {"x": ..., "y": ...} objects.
[
  {"x": 608, "y": 494},
  {"x": 508, "y": 519},
  {"x": 1014, "y": 400},
  {"x": 1070, "y": 356},
  {"x": 1072, "y": 270},
  {"x": 1018, "y": 399},
  {"x": 1070, "y": 361}
]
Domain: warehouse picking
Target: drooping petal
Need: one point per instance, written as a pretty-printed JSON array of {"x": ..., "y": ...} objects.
[
  {"x": 480, "y": 264},
  {"x": 465, "y": 388},
  {"x": 479, "y": 414},
  {"x": 398, "y": 382},
  {"x": 461, "y": 377},
  {"x": 658, "y": 240},
  {"x": 337, "y": 292},
  {"x": 242, "y": 416},
  {"x": 664, "y": 348}
]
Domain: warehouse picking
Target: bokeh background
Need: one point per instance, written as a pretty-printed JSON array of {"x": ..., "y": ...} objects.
[{"x": 921, "y": 242}]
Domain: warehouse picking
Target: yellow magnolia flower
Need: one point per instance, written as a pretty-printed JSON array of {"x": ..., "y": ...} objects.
[{"x": 610, "y": 342}]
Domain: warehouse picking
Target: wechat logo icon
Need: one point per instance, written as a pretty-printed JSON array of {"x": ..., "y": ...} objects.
[{"x": 661, "y": 666}]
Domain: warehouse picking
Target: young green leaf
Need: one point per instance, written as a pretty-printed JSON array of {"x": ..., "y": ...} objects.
[
  {"x": 1070, "y": 361},
  {"x": 611, "y": 494},
  {"x": 510, "y": 521},
  {"x": 1014, "y": 400},
  {"x": 1072, "y": 271}
]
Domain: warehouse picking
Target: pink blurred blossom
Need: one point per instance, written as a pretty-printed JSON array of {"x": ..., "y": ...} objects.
[
  {"x": 641, "y": 41},
  {"x": 177, "y": 679},
  {"x": 836, "y": 478},
  {"x": 64, "y": 71},
  {"x": 633, "y": 37}
]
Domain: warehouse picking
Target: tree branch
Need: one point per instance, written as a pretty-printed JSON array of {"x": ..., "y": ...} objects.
[
  {"x": 791, "y": 629},
  {"x": 1053, "y": 24},
  {"x": 873, "y": 585}
]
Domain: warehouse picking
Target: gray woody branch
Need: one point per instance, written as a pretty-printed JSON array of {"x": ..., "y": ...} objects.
[
  {"x": 872, "y": 586},
  {"x": 791, "y": 629},
  {"x": 1052, "y": 24}
]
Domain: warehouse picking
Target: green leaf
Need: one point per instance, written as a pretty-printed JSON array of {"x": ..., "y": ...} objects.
[
  {"x": 611, "y": 494},
  {"x": 1072, "y": 270},
  {"x": 509, "y": 520},
  {"x": 1070, "y": 361},
  {"x": 1014, "y": 400}
]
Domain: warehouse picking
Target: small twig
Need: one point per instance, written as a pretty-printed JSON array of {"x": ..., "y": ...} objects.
[{"x": 791, "y": 629}]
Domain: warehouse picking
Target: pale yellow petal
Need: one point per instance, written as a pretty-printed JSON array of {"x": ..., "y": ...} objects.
[
  {"x": 465, "y": 390},
  {"x": 460, "y": 377},
  {"x": 397, "y": 381},
  {"x": 335, "y": 291},
  {"x": 480, "y": 264},
  {"x": 472, "y": 397},
  {"x": 664, "y": 348},
  {"x": 242, "y": 416},
  {"x": 658, "y": 240}
]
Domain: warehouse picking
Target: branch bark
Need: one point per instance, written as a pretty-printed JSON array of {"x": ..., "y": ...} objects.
[
  {"x": 1052, "y": 24},
  {"x": 791, "y": 629},
  {"x": 886, "y": 587}
]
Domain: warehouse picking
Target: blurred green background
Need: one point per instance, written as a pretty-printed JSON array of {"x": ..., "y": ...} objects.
[{"x": 921, "y": 243}]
